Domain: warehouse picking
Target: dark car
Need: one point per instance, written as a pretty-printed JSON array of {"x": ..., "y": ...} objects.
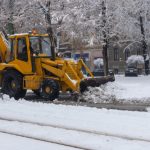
[
  {"x": 131, "y": 71},
  {"x": 100, "y": 72}
]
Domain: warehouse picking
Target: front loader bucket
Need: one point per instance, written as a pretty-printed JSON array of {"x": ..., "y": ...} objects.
[{"x": 94, "y": 82}]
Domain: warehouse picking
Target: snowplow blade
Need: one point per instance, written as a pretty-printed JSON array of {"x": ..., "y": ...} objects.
[{"x": 94, "y": 82}]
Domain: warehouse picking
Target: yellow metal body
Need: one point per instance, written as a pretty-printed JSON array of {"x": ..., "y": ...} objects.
[
  {"x": 66, "y": 72},
  {"x": 3, "y": 47},
  {"x": 32, "y": 82}
]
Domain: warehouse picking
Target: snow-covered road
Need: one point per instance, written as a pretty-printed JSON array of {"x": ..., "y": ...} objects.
[
  {"x": 76, "y": 127},
  {"x": 111, "y": 129},
  {"x": 11, "y": 142}
]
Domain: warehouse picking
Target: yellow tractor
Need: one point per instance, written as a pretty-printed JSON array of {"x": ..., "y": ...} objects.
[{"x": 27, "y": 62}]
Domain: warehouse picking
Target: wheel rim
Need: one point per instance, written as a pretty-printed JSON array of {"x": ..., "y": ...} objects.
[
  {"x": 13, "y": 85},
  {"x": 48, "y": 90}
]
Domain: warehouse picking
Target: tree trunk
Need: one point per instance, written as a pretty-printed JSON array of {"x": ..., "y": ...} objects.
[
  {"x": 144, "y": 45},
  {"x": 105, "y": 40},
  {"x": 10, "y": 25}
]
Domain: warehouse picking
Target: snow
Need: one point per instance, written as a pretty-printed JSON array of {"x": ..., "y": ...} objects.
[
  {"x": 98, "y": 62},
  {"x": 80, "y": 18},
  {"x": 133, "y": 88},
  {"x": 135, "y": 59},
  {"x": 111, "y": 124},
  {"x": 91, "y": 142},
  {"x": 123, "y": 90},
  {"x": 109, "y": 129},
  {"x": 147, "y": 57},
  {"x": 10, "y": 142}
]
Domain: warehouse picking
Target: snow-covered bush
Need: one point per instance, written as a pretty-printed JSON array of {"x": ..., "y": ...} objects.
[
  {"x": 98, "y": 63},
  {"x": 135, "y": 59}
]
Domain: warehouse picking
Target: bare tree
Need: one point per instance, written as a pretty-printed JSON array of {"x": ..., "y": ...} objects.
[
  {"x": 105, "y": 38},
  {"x": 47, "y": 11}
]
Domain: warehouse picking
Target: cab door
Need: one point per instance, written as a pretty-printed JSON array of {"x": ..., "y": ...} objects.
[{"x": 23, "y": 59}]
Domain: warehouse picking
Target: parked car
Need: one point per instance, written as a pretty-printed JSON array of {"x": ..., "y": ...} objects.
[
  {"x": 131, "y": 71},
  {"x": 100, "y": 72}
]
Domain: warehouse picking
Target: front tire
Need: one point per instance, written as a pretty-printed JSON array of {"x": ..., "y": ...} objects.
[
  {"x": 12, "y": 84},
  {"x": 49, "y": 90}
]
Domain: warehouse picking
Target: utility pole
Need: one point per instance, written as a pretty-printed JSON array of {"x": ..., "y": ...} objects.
[
  {"x": 144, "y": 45},
  {"x": 105, "y": 40}
]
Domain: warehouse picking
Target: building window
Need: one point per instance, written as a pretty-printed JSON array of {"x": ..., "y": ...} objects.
[
  {"x": 127, "y": 54},
  {"x": 67, "y": 55},
  {"x": 116, "y": 55},
  {"x": 76, "y": 56},
  {"x": 84, "y": 56}
]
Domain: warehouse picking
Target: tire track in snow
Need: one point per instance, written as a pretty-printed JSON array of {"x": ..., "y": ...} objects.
[
  {"x": 42, "y": 140},
  {"x": 93, "y": 132}
]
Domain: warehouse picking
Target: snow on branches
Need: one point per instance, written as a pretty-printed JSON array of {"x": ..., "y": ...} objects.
[
  {"x": 135, "y": 60},
  {"x": 98, "y": 63},
  {"x": 83, "y": 18}
]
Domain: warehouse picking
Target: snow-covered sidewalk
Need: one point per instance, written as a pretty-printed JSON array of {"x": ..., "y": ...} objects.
[{"x": 129, "y": 125}]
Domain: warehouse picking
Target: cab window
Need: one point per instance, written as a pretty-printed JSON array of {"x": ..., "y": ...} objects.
[
  {"x": 11, "y": 51},
  {"x": 34, "y": 43},
  {"x": 22, "y": 50},
  {"x": 41, "y": 44},
  {"x": 46, "y": 46}
]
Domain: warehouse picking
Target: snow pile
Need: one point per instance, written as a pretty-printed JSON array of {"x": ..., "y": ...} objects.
[
  {"x": 135, "y": 59},
  {"x": 99, "y": 95},
  {"x": 98, "y": 62},
  {"x": 123, "y": 90}
]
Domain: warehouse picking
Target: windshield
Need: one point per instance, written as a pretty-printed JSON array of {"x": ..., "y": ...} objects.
[{"x": 41, "y": 44}]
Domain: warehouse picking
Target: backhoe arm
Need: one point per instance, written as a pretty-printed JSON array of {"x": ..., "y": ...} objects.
[{"x": 3, "y": 47}]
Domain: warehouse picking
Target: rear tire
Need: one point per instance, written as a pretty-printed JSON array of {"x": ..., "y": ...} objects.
[
  {"x": 12, "y": 84},
  {"x": 49, "y": 90}
]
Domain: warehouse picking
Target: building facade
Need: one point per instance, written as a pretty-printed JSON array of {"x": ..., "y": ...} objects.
[
  {"x": 119, "y": 53},
  {"x": 89, "y": 54}
]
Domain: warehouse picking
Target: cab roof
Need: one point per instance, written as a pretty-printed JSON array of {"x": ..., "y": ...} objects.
[{"x": 26, "y": 34}]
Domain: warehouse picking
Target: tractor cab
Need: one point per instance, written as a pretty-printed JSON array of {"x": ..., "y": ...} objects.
[{"x": 25, "y": 48}]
